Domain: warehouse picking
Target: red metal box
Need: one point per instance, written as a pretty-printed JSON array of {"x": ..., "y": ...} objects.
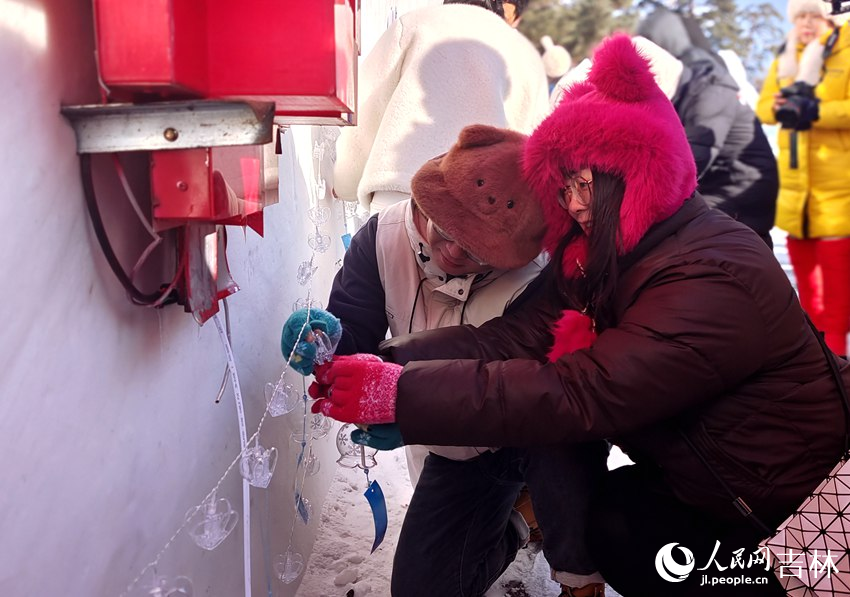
[
  {"x": 301, "y": 55},
  {"x": 211, "y": 184}
]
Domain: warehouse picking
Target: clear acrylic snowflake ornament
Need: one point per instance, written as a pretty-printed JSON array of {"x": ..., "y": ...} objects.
[
  {"x": 305, "y": 272},
  {"x": 353, "y": 455},
  {"x": 281, "y": 398},
  {"x": 304, "y": 303},
  {"x": 319, "y": 242},
  {"x": 288, "y": 566},
  {"x": 317, "y": 427},
  {"x": 319, "y": 215},
  {"x": 349, "y": 209},
  {"x": 212, "y": 522},
  {"x": 257, "y": 465},
  {"x": 325, "y": 347}
]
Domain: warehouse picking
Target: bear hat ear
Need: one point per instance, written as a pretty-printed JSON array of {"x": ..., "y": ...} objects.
[{"x": 480, "y": 135}]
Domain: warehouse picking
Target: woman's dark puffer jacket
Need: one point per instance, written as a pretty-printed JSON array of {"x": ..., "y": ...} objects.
[{"x": 710, "y": 343}]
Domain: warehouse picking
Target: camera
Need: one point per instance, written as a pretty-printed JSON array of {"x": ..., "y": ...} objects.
[{"x": 800, "y": 108}]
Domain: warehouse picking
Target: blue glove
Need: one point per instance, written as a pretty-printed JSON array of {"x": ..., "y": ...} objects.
[
  {"x": 386, "y": 436},
  {"x": 314, "y": 343}
]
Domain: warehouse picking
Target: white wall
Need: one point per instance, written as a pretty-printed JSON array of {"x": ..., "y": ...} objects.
[{"x": 108, "y": 427}]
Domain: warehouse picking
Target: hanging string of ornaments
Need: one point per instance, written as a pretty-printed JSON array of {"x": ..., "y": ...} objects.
[{"x": 211, "y": 521}]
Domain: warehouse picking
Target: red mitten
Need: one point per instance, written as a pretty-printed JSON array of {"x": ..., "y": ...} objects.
[
  {"x": 572, "y": 332},
  {"x": 319, "y": 388},
  {"x": 361, "y": 389}
]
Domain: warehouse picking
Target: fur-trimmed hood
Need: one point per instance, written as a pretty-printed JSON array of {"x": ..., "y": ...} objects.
[{"x": 618, "y": 121}]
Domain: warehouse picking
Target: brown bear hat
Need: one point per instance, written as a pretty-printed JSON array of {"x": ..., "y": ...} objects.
[{"x": 477, "y": 195}]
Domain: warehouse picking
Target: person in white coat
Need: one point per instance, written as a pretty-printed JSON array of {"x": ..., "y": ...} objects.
[{"x": 434, "y": 71}]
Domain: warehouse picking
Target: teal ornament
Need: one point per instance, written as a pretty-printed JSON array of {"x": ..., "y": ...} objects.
[{"x": 314, "y": 343}]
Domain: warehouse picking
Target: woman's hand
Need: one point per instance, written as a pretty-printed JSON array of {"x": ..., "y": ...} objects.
[{"x": 359, "y": 388}]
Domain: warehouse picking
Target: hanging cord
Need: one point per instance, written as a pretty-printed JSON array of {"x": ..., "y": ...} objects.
[
  {"x": 136, "y": 295},
  {"x": 836, "y": 374},
  {"x": 740, "y": 505},
  {"x": 226, "y": 368},
  {"x": 415, "y": 301}
]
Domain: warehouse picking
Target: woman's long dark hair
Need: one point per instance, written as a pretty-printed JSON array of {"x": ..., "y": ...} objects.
[{"x": 594, "y": 290}]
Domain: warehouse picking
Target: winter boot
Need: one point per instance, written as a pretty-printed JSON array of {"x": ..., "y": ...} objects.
[
  {"x": 592, "y": 590},
  {"x": 524, "y": 507}
]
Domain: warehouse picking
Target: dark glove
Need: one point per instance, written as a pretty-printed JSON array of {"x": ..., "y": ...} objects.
[
  {"x": 313, "y": 341},
  {"x": 380, "y": 437},
  {"x": 360, "y": 388},
  {"x": 801, "y": 107}
]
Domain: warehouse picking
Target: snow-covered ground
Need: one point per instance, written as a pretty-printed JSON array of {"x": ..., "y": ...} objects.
[{"x": 341, "y": 561}]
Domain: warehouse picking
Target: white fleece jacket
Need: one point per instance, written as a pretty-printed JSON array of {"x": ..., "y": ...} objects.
[{"x": 434, "y": 71}]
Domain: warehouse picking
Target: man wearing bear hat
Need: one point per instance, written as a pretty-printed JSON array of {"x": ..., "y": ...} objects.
[{"x": 461, "y": 251}]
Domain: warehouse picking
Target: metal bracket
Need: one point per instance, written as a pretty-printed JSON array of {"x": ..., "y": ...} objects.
[{"x": 107, "y": 128}]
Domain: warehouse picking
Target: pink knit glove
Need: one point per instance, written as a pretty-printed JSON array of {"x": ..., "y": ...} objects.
[{"x": 359, "y": 388}]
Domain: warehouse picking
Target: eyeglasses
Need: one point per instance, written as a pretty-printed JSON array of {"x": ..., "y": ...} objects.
[
  {"x": 578, "y": 187},
  {"x": 449, "y": 239}
]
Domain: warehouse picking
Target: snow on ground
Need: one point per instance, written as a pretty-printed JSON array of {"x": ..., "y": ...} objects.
[{"x": 341, "y": 561}]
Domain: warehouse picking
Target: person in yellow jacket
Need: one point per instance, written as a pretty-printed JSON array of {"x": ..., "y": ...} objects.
[{"x": 807, "y": 91}]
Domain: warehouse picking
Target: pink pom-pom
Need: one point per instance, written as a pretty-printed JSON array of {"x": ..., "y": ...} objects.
[
  {"x": 573, "y": 331},
  {"x": 620, "y": 72}
]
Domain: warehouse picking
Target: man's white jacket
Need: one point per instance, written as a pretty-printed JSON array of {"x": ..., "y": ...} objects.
[
  {"x": 433, "y": 72},
  {"x": 388, "y": 280}
]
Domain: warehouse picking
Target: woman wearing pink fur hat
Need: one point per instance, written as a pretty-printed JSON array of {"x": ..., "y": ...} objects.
[{"x": 661, "y": 325}]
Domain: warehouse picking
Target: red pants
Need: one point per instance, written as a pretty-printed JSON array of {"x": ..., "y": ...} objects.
[{"x": 822, "y": 268}]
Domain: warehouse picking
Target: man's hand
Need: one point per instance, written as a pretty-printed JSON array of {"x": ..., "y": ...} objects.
[
  {"x": 309, "y": 338},
  {"x": 359, "y": 388}
]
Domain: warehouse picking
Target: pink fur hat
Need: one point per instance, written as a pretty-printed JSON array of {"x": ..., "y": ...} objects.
[{"x": 617, "y": 121}]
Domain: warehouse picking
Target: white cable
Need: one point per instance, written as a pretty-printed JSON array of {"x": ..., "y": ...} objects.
[
  {"x": 119, "y": 168},
  {"x": 243, "y": 440}
]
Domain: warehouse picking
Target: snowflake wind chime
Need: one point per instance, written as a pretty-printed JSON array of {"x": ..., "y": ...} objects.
[{"x": 316, "y": 343}]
